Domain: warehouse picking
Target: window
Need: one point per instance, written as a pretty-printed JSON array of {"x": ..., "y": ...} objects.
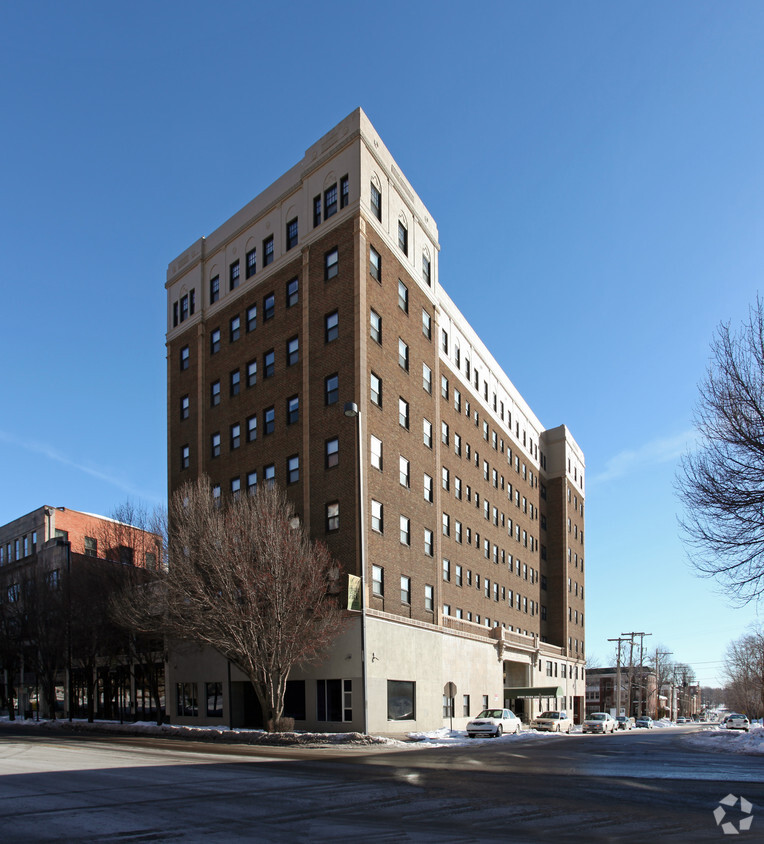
[
  {"x": 377, "y": 581},
  {"x": 401, "y": 696},
  {"x": 427, "y": 488},
  {"x": 270, "y": 420},
  {"x": 344, "y": 191},
  {"x": 375, "y": 264},
  {"x": 293, "y": 410},
  {"x": 405, "y": 530},
  {"x": 252, "y": 373},
  {"x": 375, "y": 321},
  {"x": 458, "y": 575},
  {"x": 269, "y": 473},
  {"x": 426, "y": 378},
  {"x": 292, "y": 292},
  {"x": 330, "y": 201},
  {"x": 331, "y": 326},
  {"x": 427, "y": 432},
  {"x": 215, "y": 445},
  {"x": 235, "y": 487},
  {"x": 376, "y": 202},
  {"x": 376, "y": 452},
  {"x": 404, "y": 472},
  {"x": 235, "y": 328},
  {"x": 403, "y": 238},
  {"x": 444, "y": 387},
  {"x": 332, "y": 452},
  {"x": 446, "y": 525},
  {"x": 252, "y": 428},
  {"x": 293, "y": 351},
  {"x": 185, "y": 407},
  {"x": 445, "y": 478},
  {"x": 375, "y": 383},
  {"x": 405, "y": 589},
  {"x": 457, "y": 487},
  {"x": 444, "y": 433},
  {"x": 426, "y": 324},
  {"x": 251, "y": 318},
  {"x": 291, "y": 233},
  {"x": 185, "y": 461},
  {"x": 268, "y": 251},
  {"x": 251, "y": 262},
  {"x": 447, "y": 570},
  {"x": 187, "y": 705},
  {"x": 332, "y": 516},
  {"x": 214, "y": 697},
  {"x": 214, "y": 341},
  {"x": 331, "y": 264},
  {"x": 91, "y": 546},
  {"x": 403, "y": 296},
  {"x": 293, "y": 469},
  {"x": 333, "y": 700},
  {"x": 235, "y": 435},
  {"x": 316, "y": 210},
  {"x": 428, "y": 542},
  {"x": 269, "y": 364},
  {"x": 269, "y": 306},
  {"x": 403, "y": 413},
  {"x": 428, "y": 598},
  {"x": 457, "y": 445},
  {"x": 403, "y": 355},
  {"x": 377, "y": 522},
  {"x": 233, "y": 275},
  {"x": 444, "y": 340},
  {"x": 214, "y": 289},
  {"x": 235, "y": 382}
]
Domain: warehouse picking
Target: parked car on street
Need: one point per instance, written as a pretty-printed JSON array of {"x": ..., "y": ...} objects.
[
  {"x": 736, "y": 721},
  {"x": 681, "y": 720},
  {"x": 625, "y": 722},
  {"x": 553, "y": 722},
  {"x": 493, "y": 722},
  {"x": 644, "y": 721},
  {"x": 600, "y": 722}
]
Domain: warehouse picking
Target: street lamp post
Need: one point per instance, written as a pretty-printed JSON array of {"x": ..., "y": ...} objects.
[{"x": 351, "y": 410}]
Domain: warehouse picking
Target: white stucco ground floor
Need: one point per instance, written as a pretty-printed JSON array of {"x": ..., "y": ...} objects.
[{"x": 415, "y": 677}]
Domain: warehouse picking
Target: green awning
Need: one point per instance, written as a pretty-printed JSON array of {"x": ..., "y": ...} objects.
[{"x": 533, "y": 691}]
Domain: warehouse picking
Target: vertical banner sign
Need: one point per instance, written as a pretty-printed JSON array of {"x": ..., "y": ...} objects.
[{"x": 354, "y": 592}]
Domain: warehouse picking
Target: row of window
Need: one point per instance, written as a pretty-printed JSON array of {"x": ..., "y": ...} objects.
[{"x": 19, "y": 548}]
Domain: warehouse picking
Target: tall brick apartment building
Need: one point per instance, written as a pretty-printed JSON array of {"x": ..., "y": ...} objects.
[{"x": 324, "y": 290}]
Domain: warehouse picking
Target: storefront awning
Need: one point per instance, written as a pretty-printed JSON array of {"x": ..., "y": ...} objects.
[{"x": 533, "y": 691}]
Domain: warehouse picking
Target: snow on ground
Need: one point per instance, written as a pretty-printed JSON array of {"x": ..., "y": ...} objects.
[{"x": 729, "y": 741}]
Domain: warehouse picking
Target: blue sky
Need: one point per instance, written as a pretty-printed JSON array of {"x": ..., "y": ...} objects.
[{"x": 595, "y": 170}]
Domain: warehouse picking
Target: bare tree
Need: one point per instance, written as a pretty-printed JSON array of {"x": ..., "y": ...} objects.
[
  {"x": 245, "y": 579},
  {"x": 722, "y": 482},
  {"x": 745, "y": 671}
]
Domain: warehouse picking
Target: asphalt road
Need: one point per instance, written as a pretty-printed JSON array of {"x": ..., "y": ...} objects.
[{"x": 635, "y": 787}]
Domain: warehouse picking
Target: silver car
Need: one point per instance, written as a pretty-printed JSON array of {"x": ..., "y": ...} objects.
[
  {"x": 553, "y": 722},
  {"x": 736, "y": 721},
  {"x": 600, "y": 722}
]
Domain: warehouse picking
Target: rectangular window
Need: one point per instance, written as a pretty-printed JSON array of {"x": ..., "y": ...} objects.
[
  {"x": 235, "y": 435},
  {"x": 405, "y": 530},
  {"x": 269, "y": 474},
  {"x": 252, "y": 373},
  {"x": 214, "y": 341},
  {"x": 333, "y": 699},
  {"x": 215, "y": 445},
  {"x": 293, "y": 351},
  {"x": 269, "y": 306},
  {"x": 375, "y": 321},
  {"x": 251, "y": 318},
  {"x": 404, "y": 474},
  {"x": 428, "y": 542},
  {"x": 377, "y": 520},
  {"x": 91, "y": 546},
  {"x": 214, "y": 289},
  {"x": 293, "y": 410},
  {"x": 235, "y": 487},
  {"x": 331, "y": 264},
  {"x": 291, "y": 234},
  {"x": 332, "y": 516},
  {"x": 375, "y": 384},
  {"x": 403, "y": 296},
  {"x": 444, "y": 340},
  {"x": 444, "y": 433},
  {"x": 214, "y": 696},
  {"x": 185, "y": 462},
  {"x": 235, "y": 328},
  {"x": 293, "y": 469},
  {"x": 447, "y": 570},
  {"x": 251, "y": 262},
  {"x": 403, "y": 238},
  {"x": 426, "y": 324},
  {"x": 426, "y": 271},
  {"x": 331, "y": 327},
  {"x": 233, "y": 275},
  {"x": 405, "y": 589},
  {"x": 252, "y": 428},
  {"x": 401, "y": 697},
  {"x": 426, "y": 378},
  {"x": 332, "y": 389},
  {"x": 332, "y": 452},
  {"x": 446, "y": 525},
  {"x": 187, "y": 704},
  {"x": 375, "y": 264},
  {"x": 269, "y": 416},
  {"x": 269, "y": 364},
  {"x": 344, "y": 191},
  {"x": 292, "y": 292},
  {"x": 403, "y": 413},
  {"x": 428, "y": 488},
  {"x": 316, "y": 210},
  {"x": 330, "y": 201},
  {"x": 376, "y": 452},
  {"x": 268, "y": 251},
  {"x": 376, "y": 202},
  {"x": 429, "y": 601},
  {"x": 445, "y": 478},
  {"x": 235, "y": 382},
  {"x": 185, "y": 407},
  {"x": 427, "y": 432},
  {"x": 378, "y": 581}
]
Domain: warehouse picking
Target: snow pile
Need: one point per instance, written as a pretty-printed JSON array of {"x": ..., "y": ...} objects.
[{"x": 730, "y": 741}]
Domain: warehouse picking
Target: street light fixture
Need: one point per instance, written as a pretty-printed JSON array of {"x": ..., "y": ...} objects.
[{"x": 351, "y": 410}]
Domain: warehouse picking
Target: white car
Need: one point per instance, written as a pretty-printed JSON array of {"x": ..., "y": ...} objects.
[
  {"x": 553, "y": 722},
  {"x": 600, "y": 722},
  {"x": 493, "y": 722},
  {"x": 736, "y": 721}
]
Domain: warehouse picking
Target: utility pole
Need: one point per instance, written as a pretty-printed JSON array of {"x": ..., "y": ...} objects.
[
  {"x": 641, "y": 665},
  {"x": 658, "y": 655},
  {"x": 618, "y": 674}
]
